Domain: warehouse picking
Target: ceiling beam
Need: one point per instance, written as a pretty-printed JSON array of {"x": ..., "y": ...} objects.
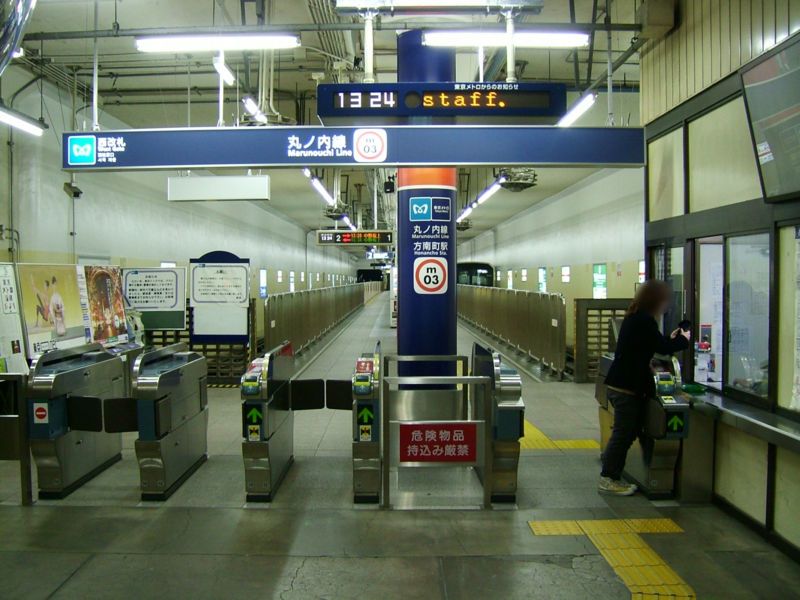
[{"x": 313, "y": 27}]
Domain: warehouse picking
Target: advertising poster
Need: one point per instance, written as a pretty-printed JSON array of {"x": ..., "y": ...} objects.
[
  {"x": 159, "y": 294},
  {"x": 12, "y": 355},
  {"x": 106, "y": 305},
  {"x": 51, "y": 307}
]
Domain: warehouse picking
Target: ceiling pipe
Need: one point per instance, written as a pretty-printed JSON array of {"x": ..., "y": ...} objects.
[{"x": 313, "y": 27}]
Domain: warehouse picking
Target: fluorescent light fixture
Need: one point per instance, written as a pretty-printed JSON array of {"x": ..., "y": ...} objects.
[
  {"x": 250, "y": 105},
  {"x": 307, "y": 172},
  {"x": 347, "y": 222},
  {"x": 495, "y": 39},
  {"x": 577, "y": 111},
  {"x": 214, "y": 43},
  {"x": 326, "y": 195},
  {"x": 18, "y": 53},
  {"x": 20, "y": 121},
  {"x": 491, "y": 190},
  {"x": 224, "y": 71}
]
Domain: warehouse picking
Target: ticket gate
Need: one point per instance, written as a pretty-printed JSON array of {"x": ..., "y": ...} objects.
[
  {"x": 504, "y": 417},
  {"x": 66, "y": 390},
  {"x": 653, "y": 459},
  {"x": 170, "y": 392},
  {"x": 270, "y": 396}
]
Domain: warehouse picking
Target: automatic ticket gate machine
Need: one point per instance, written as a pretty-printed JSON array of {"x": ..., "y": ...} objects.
[
  {"x": 366, "y": 406},
  {"x": 66, "y": 391},
  {"x": 508, "y": 420},
  {"x": 267, "y": 422},
  {"x": 654, "y": 458},
  {"x": 170, "y": 391}
]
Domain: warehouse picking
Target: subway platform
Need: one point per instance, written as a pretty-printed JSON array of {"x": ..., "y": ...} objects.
[{"x": 561, "y": 540}]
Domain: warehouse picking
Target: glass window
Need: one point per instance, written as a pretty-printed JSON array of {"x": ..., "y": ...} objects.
[
  {"x": 543, "y": 279},
  {"x": 789, "y": 309},
  {"x": 524, "y": 274},
  {"x": 302, "y": 276},
  {"x": 291, "y": 281},
  {"x": 510, "y": 279},
  {"x": 672, "y": 272},
  {"x": 318, "y": 276},
  {"x": 262, "y": 283},
  {"x": 665, "y": 176},
  {"x": 565, "y": 274},
  {"x": 600, "y": 281},
  {"x": 642, "y": 271},
  {"x": 280, "y": 276},
  {"x": 708, "y": 332},
  {"x": 499, "y": 275},
  {"x": 748, "y": 313}
]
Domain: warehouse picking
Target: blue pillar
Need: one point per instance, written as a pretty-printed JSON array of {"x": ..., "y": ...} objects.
[{"x": 426, "y": 250}]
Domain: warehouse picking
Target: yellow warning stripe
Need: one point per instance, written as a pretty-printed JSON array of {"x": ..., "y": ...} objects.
[
  {"x": 535, "y": 439},
  {"x": 646, "y": 575}
]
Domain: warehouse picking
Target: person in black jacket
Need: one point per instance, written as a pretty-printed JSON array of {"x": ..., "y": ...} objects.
[{"x": 630, "y": 379}]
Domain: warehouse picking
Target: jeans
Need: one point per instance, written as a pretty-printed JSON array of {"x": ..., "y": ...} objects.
[{"x": 629, "y": 414}]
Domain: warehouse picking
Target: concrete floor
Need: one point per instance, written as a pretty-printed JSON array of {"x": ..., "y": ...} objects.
[{"x": 312, "y": 542}]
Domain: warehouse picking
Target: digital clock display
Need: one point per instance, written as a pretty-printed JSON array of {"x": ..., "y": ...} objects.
[
  {"x": 547, "y": 101},
  {"x": 346, "y": 237},
  {"x": 384, "y": 99}
]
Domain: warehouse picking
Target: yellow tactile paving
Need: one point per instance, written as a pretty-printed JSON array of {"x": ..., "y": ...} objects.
[
  {"x": 640, "y": 568},
  {"x": 605, "y": 526},
  {"x": 654, "y": 526},
  {"x": 555, "y": 528},
  {"x": 535, "y": 439},
  {"x": 577, "y": 444}
]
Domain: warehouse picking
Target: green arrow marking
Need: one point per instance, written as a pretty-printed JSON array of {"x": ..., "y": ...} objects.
[
  {"x": 365, "y": 415},
  {"x": 254, "y": 415},
  {"x": 675, "y": 422}
]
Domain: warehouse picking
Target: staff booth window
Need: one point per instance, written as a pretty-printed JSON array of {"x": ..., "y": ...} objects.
[
  {"x": 747, "y": 266},
  {"x": 789, "y": 317},
  {"x": 709, "y": 320},
  {"x": 566, "y": 274},
  {"x": 510, "y": 279}
]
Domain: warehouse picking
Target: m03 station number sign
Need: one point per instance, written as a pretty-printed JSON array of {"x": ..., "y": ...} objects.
[{"x": 346, "y": 237}]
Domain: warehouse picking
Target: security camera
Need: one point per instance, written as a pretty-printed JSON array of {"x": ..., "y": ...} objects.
[{"x": 72, "y": 190}]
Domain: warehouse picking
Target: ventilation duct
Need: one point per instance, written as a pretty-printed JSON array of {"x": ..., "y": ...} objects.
[
  {"x": 14, "y": 15},
  {"x": 519, "y": 179}
]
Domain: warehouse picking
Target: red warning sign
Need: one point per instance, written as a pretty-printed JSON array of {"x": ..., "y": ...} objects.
[
  {"x": 438, "y": 442},
  {"x": 430, "y": 275},
  {"x": 40, "y": 413}
]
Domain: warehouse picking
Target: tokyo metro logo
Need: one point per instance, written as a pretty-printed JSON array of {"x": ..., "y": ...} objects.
[{"x": 81, "y": 150}]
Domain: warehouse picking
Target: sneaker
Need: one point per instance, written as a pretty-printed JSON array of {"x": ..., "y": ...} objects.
[{"x": 616, "y": 487}]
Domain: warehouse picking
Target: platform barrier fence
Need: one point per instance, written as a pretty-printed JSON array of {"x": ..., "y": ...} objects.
[
  {"x": 303, "y": 316},
  {"x": 592, "y": 318},
  {"x": 534, "y": 323}
]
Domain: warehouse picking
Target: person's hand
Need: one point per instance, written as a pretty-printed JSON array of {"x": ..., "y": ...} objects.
[{"x": 675, "y": 333}]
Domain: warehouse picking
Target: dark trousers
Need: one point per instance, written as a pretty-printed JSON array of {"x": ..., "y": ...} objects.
[{"x": 628, "y": 423}]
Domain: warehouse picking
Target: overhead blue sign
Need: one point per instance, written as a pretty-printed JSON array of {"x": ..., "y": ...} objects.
[
  {"x": 184, "y": 148},
  {"x": 471, "y": 99}
]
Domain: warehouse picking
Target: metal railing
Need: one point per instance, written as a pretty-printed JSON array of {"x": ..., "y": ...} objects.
[
  {"x": 533, "y": 322},
  {"x": 302, "y": 317},
  {"x": 477, "y": 403}
]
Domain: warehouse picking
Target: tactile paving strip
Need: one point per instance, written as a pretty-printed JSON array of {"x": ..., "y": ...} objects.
[
  {"x": 555, "y": 528},
  {"x": 535, "y": 439},
  {"x": 577, "y": 444},
  {"x": 641, "y": 569}
]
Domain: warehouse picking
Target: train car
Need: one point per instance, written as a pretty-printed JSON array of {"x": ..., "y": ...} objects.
[{"x": 475, "y": 273}]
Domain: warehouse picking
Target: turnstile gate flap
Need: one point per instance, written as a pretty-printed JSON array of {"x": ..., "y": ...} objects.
[
  {"x": 339, "y": 394},
  {"x": 85, "y": 413},
  {"x": 308, "y": 394},
  {"x": 120, "y": 415}
]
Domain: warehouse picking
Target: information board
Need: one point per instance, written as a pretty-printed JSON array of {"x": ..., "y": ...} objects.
[
  {"x": 360, "y": 237},
  {"x": 159, "y": 294},
  {"x": 12, "y": 351},
  {"x": 220, "y": 295},
  {"x": 474, "y": 99}
]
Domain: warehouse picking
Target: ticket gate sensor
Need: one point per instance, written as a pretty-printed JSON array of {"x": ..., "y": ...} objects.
[
  {"x": 66, "y": 390},
  {"x": 653, "y": 459},
  {"x": 270, "y": 396},
  {"x": 508, "y": 420},
  {"x": 170, "y": 390}
]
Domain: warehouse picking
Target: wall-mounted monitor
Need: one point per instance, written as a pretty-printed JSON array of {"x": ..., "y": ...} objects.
[{"x": 772, "y": 94}]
